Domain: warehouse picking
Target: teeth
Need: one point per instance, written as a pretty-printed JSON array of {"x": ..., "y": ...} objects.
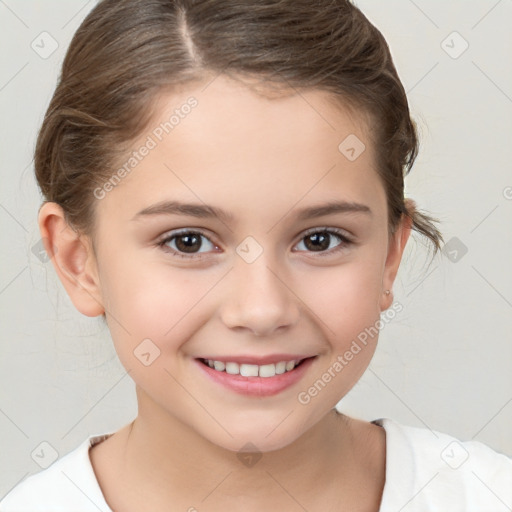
[
  {"x": 218, "y": 365},
  {"x": 253, "y": 370},
  {"x": 280, "y": 367},
  {"x": 268, "y": 370},
  {"x": 232, "y": 368},
  {"x": 249, "y": 370}
]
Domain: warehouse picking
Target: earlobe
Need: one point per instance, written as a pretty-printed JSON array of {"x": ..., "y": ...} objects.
[{"x": 72, "y": 258}]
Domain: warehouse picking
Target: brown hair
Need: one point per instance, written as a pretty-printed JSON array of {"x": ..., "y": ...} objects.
[{"x": 126, "y": 52}]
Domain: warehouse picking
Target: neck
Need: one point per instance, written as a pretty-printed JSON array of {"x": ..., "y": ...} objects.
[{"x": 175, "y": 460}]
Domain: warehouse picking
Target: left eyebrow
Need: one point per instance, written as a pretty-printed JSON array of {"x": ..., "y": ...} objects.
[
  {"x": 207, "y": 211},
  {"x": 312, "y": 212}
]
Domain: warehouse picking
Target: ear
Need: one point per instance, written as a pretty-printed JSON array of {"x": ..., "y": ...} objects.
[
  {"x": 396, "y": 246},
  {"x": 73, "y": 258}
]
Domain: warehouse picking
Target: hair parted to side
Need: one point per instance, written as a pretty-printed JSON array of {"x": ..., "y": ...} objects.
[{"x": 126, "y": 52}]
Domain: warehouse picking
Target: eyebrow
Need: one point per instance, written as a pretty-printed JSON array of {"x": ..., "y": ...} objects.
[{"x": 205, "y": 211}]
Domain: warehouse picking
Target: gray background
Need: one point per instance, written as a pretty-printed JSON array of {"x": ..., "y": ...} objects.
[{"x": 444, "y": 362}]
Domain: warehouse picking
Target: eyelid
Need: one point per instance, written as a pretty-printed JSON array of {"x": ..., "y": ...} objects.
[
  {"x": 339, "y": 231},
  {"x": 181, "y": 231}
]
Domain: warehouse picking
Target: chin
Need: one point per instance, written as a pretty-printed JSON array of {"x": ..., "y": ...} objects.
[{"x": 255, "y": 438}]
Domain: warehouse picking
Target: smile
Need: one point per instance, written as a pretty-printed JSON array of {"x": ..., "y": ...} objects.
[
  {"x": 252, "y": 379},
  {"x": 253, "y": 370}
]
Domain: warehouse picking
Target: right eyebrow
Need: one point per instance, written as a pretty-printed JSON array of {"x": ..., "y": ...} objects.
[{"x": 203, "y": 211}]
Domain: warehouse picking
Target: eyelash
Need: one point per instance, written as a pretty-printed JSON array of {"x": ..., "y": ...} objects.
[{"x": 345, "y": 242}]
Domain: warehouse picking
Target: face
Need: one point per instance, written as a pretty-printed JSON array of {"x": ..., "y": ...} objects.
[{"x": 264, "y": 280}]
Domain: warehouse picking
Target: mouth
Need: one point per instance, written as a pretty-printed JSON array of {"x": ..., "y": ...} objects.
[
  {"x": 254, "y": 370},
  {"x": 255, "y": 380}
]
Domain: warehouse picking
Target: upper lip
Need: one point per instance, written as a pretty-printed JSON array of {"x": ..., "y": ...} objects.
[{"x": 259, "y": 360}]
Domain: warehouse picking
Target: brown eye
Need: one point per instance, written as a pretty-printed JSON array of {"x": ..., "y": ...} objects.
[
  {"x": 186, "y": 244},
  {"x": 318, "y": 241},
  {"x": 321, "y": 241}
]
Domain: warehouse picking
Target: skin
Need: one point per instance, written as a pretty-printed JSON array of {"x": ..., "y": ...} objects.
[{"x": 261, "y": 160}]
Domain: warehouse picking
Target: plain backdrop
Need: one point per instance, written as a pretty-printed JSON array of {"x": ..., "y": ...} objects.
[{"x": 444, "y": 362}]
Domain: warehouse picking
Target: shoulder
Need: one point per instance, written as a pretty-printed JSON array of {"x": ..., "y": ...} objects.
[
  {"x": 427, "y": 469},
  {"x": 69, "y": 484}
]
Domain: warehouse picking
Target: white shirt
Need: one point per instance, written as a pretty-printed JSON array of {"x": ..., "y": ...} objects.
[{"x": 425, "y": 471}]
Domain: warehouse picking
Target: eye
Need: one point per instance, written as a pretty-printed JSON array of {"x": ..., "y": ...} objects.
[
  {"x": 319, "y": 240},
  {"x": 185, "y": 244}
]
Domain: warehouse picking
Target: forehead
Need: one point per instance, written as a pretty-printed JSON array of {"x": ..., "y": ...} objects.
[
  {"x": 230, "y": 111},
  {"x": 221, "y": 142}
]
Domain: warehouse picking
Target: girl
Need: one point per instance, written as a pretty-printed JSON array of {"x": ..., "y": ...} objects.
[{"x": 224, "y": 184}]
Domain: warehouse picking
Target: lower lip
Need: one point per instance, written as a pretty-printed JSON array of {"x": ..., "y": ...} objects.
[{"x": 257, "y": 386}]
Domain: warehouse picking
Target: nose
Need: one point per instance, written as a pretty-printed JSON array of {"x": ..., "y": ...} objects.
[{"x": 258, "y": 299}]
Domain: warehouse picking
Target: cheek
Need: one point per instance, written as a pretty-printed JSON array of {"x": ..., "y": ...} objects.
[
  {"x": 344, "y": 301},
  {"x": 345, "y": 297},
  {"x": 154, "y": 302},
  {"x": 345, "y": 306}
]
